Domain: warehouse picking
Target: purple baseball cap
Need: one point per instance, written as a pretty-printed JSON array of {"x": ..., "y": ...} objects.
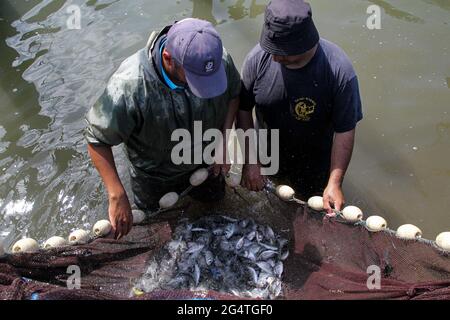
[{"x": 197, "y": 46}]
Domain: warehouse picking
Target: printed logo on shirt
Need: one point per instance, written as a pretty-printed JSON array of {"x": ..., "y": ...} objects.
[
  {"x": 304, "y": 108},
  {"x": 209, "y": 66}
]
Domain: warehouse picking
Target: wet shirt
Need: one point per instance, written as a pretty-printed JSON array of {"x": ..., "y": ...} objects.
[
  {"x": 308, "y": 105},
  {"x": 141, "y": 111}
]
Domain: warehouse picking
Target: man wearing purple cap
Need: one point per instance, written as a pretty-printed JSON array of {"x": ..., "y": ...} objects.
[
  {"x": 306, "y": 87},
  {"x": 183, "y": 76}
]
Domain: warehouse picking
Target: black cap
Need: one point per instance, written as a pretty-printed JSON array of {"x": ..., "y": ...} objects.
[{"x": 288, "y": 28}]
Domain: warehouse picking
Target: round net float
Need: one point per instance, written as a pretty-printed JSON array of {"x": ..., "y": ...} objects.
[
  {"x": 55, "y": 242},
  {"x": 233, "y": 180},
  {"x": 409, "y": 232},
  {"x": 316, "y": 203},
  {"x": 285, "y": 193},
  {"x": 102, "y": 228},
  {"x": 138, "y": 216},
  {"x": 198, "y": 177},
  {"x": 352, "y": 214},
  {"x": 443, "y": 241},
  {"x": 376, "y": 223},
  {"x": 79, "y": 237},
  {"x": 27, "y": 245},
  {"x": 168, "y": 200}
]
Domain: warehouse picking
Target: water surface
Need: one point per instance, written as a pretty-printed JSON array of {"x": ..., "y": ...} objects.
[{"x": 50, "y": 76}]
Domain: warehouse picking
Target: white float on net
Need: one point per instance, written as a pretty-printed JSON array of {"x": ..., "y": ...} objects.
[
  {"x": 352, "y": 214},
  {"x": 102, "y": 228},
  {"x": 285, "y": 193},
  {"x": 316, "y": 203},
  {"x": 233, "y": 180},
  {"x": 198, "y": 177},
  {"x": 26, "y": 245},
  {"x": 55, "y": 242},
  {"x": 443, "y": 241},
  {"x": 376, "y": 223},
  {"x": 79, "y": 237},
  {"x": 169, "y": 200},
  {"x": 408, "y": 232},
  {"x": 138, "y": 216}
]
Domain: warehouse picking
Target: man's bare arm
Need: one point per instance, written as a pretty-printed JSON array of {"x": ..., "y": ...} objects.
[
  {"x": 251, "y": 173},
  {"x": 341, "y": 155},
  {"x": 222, "y": 165},
  {"x": 119, "y": 207}
]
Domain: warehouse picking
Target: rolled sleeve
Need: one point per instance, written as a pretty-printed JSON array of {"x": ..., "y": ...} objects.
[
  {"x": 234, "y": 79},
  {"x": 249, "y": 73},
  {"x": 347, "y": 109},
  {"x": 112, "y": 119}
]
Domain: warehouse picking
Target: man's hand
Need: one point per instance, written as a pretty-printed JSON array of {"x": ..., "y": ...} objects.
[
  {"x": 221, "y": 169},
  {"x": 252, "y": 178},
  {"x": 120, "y": 215},
  {"x": 333, "y": 197}
]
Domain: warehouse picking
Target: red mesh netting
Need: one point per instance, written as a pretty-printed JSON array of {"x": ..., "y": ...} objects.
[{"x": 328, "y": 260}]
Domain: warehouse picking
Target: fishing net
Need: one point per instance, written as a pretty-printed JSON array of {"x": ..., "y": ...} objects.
[{"x": 328, "y": 259}]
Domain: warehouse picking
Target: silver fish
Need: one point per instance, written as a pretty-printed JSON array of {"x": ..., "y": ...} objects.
[
  {"x": 217, "y": 232},
  {"x": 244, "y": 223},
  {"x": 174, "y": 245},
  {"x": 240, "y": 243},
  {"x": 251, "y": 235},
  {"x": 259, "y": 293},
  {"x": 209, "y": 258},
  {"x": 275, "y": 288},
  {"x": 254, "y": 248},
  {"x": 217, "y": 262},
  {"x": 226, "y": 246},
  {"x": 247, "y": 243},
  {"x": 195, "y": 247},
  {"x": 282, "y": 243},
  {"x": 267, "y": 254},
  {"x": 259, "y": 236},
  {"x": 269, "y": 247},
  {"x": 230, "y": 229},
  {"x": 278, "y": 269},
  {"x": 271, "y": 263},
  {"x": 251, "y": 256},
  {"x": 284, "y": 255},
  {"x": 187, "y": 235},
  {"x": 199, "y": 230},
  {"x": 196, "y": 274},
  {"x": 263, "y": 279},
  {"x": 178, "y": 281},
  {"x": 264, "y": 266},
  {"x": 204, "y": 239},
  {"x": 269, "y": 233},
  {"x": 184, "y": 266},
  {"x": 230, "y": 219},
  {"x": 253, "y": 274}
]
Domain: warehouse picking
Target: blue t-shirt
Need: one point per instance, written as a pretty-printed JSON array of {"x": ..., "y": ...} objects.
[{"x": 308, "y": 105}]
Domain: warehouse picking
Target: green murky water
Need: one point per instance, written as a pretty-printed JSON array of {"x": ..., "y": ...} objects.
[{"x": 50, "y": 76}]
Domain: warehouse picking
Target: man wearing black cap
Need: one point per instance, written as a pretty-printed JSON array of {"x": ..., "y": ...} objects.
[
  {"x": 306, "y": 87},
  {"x": 181, "y": 77}
]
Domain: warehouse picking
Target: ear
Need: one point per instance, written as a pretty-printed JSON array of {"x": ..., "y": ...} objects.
[{"x": 167, "y": 57}]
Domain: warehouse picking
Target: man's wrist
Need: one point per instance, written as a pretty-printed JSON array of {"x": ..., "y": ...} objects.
[
  {"x": 117, "y": 194},
  {"x": 336, "y": 181}
]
